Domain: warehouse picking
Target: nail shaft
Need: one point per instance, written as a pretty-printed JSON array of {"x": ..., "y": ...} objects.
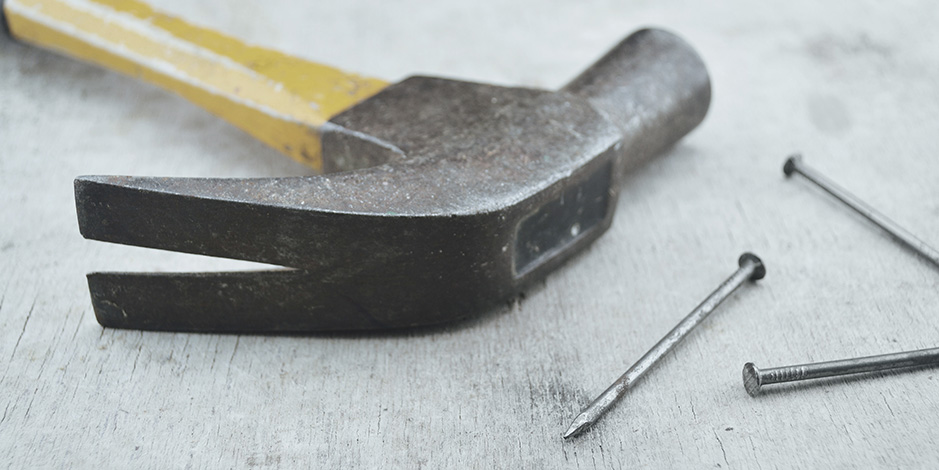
[
  {"x": 794, "y": 165},
  {"x": 754, "y": 378},
  {"x": 751, "y": 268}
]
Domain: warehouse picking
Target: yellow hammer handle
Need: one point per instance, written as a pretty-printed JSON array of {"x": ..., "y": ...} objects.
[{"x": 279, "y": 99}]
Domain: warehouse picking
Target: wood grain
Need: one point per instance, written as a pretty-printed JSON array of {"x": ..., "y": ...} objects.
[{"x": 853, "y": 88}]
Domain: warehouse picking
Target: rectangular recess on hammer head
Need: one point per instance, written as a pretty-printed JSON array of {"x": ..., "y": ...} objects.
[{"x": 558, "y": 223}]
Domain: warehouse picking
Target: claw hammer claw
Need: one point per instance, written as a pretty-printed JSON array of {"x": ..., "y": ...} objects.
[{"x": 441, "y": 199}]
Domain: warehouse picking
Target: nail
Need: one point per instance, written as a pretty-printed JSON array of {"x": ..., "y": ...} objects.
[
  {"x": 794, "y": 165},
  {"x": 754, "y": 378},
  {"x": 751, "y": 268}
]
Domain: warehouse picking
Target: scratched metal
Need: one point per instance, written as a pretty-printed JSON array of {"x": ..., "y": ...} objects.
[{"x": 433, "y": 182}]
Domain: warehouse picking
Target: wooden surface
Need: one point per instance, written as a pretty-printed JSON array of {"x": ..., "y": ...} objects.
[{"x": 853, "y": 86}]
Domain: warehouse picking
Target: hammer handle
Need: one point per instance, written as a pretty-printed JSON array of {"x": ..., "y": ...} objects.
[{"x": 279, "y": 99}]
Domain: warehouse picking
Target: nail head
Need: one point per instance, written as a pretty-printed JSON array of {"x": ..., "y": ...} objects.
[
  {"x": 751, "y": 379},
  {"x": 791, "y": 164},
  {"x": 759, "y": 270}
]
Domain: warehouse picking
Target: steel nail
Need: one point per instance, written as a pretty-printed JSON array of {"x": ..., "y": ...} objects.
[
  {"x": 751, "y": 268},
  {"x": 794, "y": 165},
  {"x": 754, "y": 378}
]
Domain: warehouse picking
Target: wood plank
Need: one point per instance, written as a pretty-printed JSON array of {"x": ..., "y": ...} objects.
[{"x": 854, "y": 89}]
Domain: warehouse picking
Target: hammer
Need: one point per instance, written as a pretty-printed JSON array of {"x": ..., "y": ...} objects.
[{"x": 439, "y": 198}]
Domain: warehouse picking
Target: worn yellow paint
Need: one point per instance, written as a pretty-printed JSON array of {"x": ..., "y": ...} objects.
[{"x": 279, "y": 99}]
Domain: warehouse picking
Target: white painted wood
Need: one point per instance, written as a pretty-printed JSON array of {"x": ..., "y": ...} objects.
[{"x": 852, "y": 86}]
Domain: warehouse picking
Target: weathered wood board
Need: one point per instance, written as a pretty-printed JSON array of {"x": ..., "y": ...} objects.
[{"x": 851, "y": 85}]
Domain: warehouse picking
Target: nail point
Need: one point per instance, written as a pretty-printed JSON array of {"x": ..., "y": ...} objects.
[{"x": 579, "y": 425}]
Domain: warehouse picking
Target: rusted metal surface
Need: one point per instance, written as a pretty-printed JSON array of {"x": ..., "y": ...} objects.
[{"x": 447, "y": 198}]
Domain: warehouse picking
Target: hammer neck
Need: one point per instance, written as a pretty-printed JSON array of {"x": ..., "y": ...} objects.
[{"x": 652, "y": 86}]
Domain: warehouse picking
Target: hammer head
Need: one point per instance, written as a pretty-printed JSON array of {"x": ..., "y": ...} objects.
[{"x": 446, "y": 198}]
